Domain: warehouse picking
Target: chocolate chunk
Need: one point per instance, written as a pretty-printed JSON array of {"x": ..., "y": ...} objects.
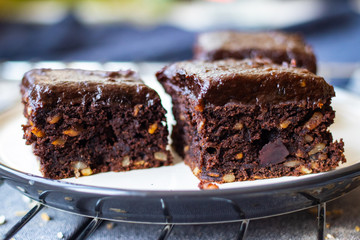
[{"x": 273, "y": 153}]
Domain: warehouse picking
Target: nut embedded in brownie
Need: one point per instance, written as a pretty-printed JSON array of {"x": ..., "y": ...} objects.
[
  {"x": 85, "y": 122},
  {"x": 277, "y": 46},
  {"x": 251, "y": 119}
]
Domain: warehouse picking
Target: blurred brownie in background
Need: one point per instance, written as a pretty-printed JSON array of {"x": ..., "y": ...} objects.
[{"x": 277, "y": 46}]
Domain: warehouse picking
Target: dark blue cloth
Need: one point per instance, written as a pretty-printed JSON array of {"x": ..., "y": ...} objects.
[{"x": 334, "y": 39}]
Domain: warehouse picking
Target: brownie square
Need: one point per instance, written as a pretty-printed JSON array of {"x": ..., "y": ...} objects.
[
  {"x": 251, "y": 119},
  {"x": 277, "y": 46},
  {"x": 85, "y": 122}
]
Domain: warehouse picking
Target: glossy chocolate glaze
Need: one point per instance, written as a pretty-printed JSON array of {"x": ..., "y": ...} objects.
[
  {"x": 249, "y": 81},
  {"x": 47, "y": 87}
]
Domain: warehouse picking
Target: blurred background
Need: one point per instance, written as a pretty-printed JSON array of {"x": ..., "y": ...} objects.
[{"x": 164, "y": 30}]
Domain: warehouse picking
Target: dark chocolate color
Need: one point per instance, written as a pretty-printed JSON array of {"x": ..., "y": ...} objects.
[
  {"x": 273, "y": 153},
  {"x": 249, "y": 81},
  {"x": 251, "y": 119},
  {"x": 75, "y": 86},
  {"x": 277, "y": 46},
  {"x": 93, "y": 120}
]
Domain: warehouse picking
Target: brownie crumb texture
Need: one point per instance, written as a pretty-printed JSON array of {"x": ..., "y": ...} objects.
[
  {"x": 251, "y": 119},
  {"x": 86, "y": 122}
]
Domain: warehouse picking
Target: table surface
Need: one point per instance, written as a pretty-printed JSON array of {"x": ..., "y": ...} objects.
[{"x": 342, "y": 220}]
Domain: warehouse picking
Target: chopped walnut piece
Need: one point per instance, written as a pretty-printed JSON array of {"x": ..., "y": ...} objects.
[
  {"x": 139, "y": 163},
  {"x": 45, "y": 217},
  {"x": 37, "y": 132},
  {"x": 126, "y": 161},
  {"x": 302, "y": 83},
  {"x": 285, "y": 124},
  {"x": 86, "y": 171},
  {"x": 238, "y": 126},
  {"x": 314, "y": 165},
  {"x": 293, "y": 163},
  {"x": 314, "y": 121},
  {"x": 59, "y": 142},
  {"x": 239, "y": 156},
  {"x": 317, "y": 148},
  {"x": 79, "y": 165},
  {"x": 305, "y": 170},
  {"x": 53, "y": 119},
  {"x": 196, "y": 171},
  {"x": 137, "y": 109},
  {"x": 72, "y": 132},
  {"x": 152, "y": 128},
  {"x": 161, "y": 156},
  {"x": 213, "y": 174},
  {"x": 308, "y": 138},
  {"x": 230, "y": 177},
  {"x": 207, "y": 186}
]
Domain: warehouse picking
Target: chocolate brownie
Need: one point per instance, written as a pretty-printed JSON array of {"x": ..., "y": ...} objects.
[
  {"x": 85, "y": 122},
  {"x": 277, "y": 46},
  {"x": 251, "y": 119}
]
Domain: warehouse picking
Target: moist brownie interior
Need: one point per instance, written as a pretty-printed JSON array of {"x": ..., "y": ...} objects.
[
  {"x": 251, "y": 119},
  {"x": 85, "y": 122}
]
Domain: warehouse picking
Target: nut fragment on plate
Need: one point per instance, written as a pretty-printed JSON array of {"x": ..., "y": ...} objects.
[
  {"x": 285, "y": 124},
  {"x": 86, "y": 171},
  {"x": 45, "y": 217},
  {"x": 2, "y": 219},
  {"x": 207, "y": 186}
]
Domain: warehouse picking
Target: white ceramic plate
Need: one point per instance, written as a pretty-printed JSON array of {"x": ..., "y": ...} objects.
[{"x": 15, "y": 154}]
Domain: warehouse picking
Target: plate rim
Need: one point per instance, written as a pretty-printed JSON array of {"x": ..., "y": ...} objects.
[{"x": 315, "y": 179}]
